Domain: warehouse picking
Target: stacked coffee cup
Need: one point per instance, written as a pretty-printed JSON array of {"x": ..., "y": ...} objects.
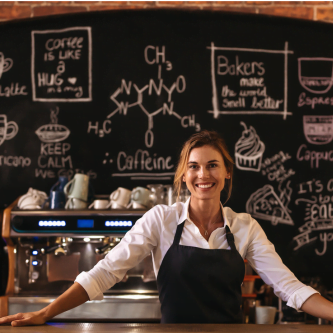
[
  {"x": 33, "y": 199},
  {"x": 77, "y": 191},
  {"x": 122, "y": 198}
]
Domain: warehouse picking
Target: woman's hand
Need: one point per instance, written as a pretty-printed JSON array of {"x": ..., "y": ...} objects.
[
  {"x": 72, "y": 297},
  {"x": 25, "y": 319}
]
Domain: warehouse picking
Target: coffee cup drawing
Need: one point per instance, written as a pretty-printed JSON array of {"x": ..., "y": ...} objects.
[
  {"x": 315, "y": 74},
  {"x": 318, "y": 130},
  {"x": 7, "y": 129},
  {"x": 5, "y": 64}
]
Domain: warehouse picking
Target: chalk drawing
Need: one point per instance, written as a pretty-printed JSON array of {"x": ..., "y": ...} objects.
[
  {"x": 266, "y": 205},
  {"x": 153, "y": 56},
  {"x": 249, "y": 150},
  {"x": 53, "y": 132},
  {"x": 259, "y": 101},
  {"x": 5, "y": 64},
  {"x": 316, "y": 74},
  {"x": 8, "y": 130},
  {"x": 61, "y": 65},
  {"x": 318, "y": 130}
]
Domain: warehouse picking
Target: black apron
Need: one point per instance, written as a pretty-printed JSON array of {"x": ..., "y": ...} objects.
[{"x": 201, "y": 285}]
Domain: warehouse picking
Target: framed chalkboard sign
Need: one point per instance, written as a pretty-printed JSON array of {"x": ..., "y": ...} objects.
[{"x": 115, "y": 94}]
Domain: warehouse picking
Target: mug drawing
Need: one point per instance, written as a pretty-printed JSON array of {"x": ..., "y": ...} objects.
[
  {"x": 318, "y": 130},
  {"x": 315, "y": 74},
  {"x": 5, "y": 64},
  {"x": 7, "y": 129}
]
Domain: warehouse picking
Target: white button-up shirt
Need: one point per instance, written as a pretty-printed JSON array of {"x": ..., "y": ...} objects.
[{"x": 155, "y": 232}]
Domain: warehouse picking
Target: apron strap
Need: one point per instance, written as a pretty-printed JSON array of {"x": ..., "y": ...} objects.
[
  {"x": 179, "y": 231},
  {"x": 230, "y": 238}
]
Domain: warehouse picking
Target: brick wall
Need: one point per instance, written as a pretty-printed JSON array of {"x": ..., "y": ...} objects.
[{"x": 309, "y": 10}]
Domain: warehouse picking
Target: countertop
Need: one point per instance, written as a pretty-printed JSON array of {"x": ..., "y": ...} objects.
[{"x": 161, "y": 328}]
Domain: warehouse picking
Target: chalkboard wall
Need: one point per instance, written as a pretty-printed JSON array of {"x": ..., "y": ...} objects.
[{"x": 115, "y": 94}]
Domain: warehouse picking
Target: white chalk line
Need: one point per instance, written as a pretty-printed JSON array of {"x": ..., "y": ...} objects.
[
  {"x": 248, "y": 50},
  {"x": 251, "y": 112},
  {"x": 285, "y": 80},
  {"x": 143, "y": 174},
  {"x": 151, "y": 178}
]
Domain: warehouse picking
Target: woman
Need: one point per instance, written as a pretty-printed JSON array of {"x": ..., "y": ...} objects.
[{"x": 198, "y": 251}]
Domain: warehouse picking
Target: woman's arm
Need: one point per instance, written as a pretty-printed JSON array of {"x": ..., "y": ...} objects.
[
  {"x": 318, "y": 306},
  {"x": 267, "y": 263},
  {"x": 134, "y": 247},
  {"x": 71, "y": 298}
]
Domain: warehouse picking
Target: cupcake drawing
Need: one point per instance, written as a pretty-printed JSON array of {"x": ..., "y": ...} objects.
[
  {"x": 53, "y": 132},
  {"x": 249, "y": 150}
]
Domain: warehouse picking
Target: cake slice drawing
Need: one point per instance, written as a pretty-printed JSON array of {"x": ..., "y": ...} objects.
[
  {"x": 249, "y": 150},
  {"x": 266, "y": 205}
]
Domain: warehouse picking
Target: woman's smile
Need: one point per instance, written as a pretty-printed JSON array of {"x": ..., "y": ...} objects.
[{"x": 205, "y": 186}]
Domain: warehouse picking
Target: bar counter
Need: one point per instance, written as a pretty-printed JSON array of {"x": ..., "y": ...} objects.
[{"x": 51, "y": 327}]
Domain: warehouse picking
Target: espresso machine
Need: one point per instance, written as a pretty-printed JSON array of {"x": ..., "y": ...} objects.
[{"x": 47, "y": 249}]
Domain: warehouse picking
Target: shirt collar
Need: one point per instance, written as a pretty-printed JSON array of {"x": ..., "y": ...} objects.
[{"x": 185, "y": 213}]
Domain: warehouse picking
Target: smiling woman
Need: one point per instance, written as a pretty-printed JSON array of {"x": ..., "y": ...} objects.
[
  {"x": 198, "y": 249},
  {"x": 205, "y": 165}
]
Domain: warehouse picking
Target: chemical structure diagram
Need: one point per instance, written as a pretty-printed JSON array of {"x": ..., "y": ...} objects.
[{"x": 153, "y": 55}]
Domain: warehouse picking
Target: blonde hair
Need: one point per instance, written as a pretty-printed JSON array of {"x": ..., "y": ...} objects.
[{"x": 197, "y": 140}]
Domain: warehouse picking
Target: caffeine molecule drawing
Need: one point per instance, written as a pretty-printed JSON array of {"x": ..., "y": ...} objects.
[{"x": 153, "y": 55}]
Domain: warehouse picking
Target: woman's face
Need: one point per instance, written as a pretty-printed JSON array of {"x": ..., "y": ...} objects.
[{"x": 205, "y": 173}]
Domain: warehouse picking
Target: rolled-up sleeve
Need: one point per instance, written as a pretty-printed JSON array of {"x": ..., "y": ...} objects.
[
  {"x": 134, "y": 247},
  {"x": 267, "y": 263},
  {"x": 297, "y": 299}
]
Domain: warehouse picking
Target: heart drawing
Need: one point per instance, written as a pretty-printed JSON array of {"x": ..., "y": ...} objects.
[{"x": 72, "y": 80}]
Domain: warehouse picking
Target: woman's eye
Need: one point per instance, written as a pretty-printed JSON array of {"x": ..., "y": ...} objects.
[
  {"x": 193, "y": 166},
  {"x": 213, "y": 165}
]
